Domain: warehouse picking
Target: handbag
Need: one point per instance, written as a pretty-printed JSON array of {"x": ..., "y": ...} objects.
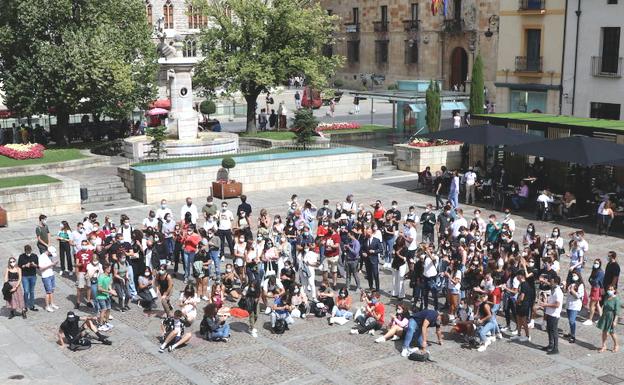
[{"x": 6, "y": 292}]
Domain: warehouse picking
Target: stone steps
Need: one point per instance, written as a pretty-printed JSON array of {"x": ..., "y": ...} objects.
[
  {"x": 103, "y": 185},
  {"x": 382, "y": 163}
]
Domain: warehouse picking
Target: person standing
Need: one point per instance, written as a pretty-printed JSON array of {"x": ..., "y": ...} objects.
[
  {"x": 83, "y": 258},
  {"x": 370, "y": 250},
  {"x": 351, "y": 249},
  {"x": 356, "y": 105},
  {"x": 13, "y": 276},
  {"x": 47, "y": 261},
  {"x": 609, "y": 319},
  {"x": 612, "y": 271},
  {"x": 262, "y": 120},
  {"x": 470, "y": 178},
  {"x": 43, "y": 234},
  {"x": 552, "y": 312},
  {"x": 297, "y": 100},
  {"x": 64, "y": 238},
  {"x": 453, "y": 196},
  {"x": 224, "y": 228},
  {"x": 456, "y": 120},
  {"x": 427, "y": 223},
  {"x": 29, "y": 263},
  {"x": 104, "y": 292},
  {"x": 189, "y": 208},
  {"x": 191, "y": 243},
  {"x": 272, "y": 119}
]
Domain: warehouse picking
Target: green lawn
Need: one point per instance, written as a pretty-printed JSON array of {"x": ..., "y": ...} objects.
[
  {"x": 187, "y": 159},
  {"x": 49, "y": 156},
  {"x": 364, "y": 128},
  {"x": 28, "y": 180},
  {"x": 273, "y": 135},
  {"x": 560, "y": 119}
]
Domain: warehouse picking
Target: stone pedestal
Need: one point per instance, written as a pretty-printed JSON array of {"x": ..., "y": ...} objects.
[
  {"x": 182, "y": 118},
  {"x": 410, "y": 158}
]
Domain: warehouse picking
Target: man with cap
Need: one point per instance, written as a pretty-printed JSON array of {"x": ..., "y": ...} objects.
[
  {"x": 47, "y": 261},
  {"x": 71, "y": 332}
]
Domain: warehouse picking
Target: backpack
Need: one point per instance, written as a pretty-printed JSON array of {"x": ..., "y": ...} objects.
[
  {"x": 318, "y": 309},
  {"x": 419, "y": 357},
  {"x": 280, "y": 326},
  {"x": 80, "y": 344}
]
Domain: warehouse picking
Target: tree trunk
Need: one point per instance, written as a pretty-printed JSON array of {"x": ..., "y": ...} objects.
[
  {"x": 62, "y": 125},
  {"x": 251, "y": 112}
]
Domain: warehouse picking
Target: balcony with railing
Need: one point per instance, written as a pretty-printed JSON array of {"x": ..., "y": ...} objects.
[
  {"x": 352, "y": 27},
  {"x": 410, "y": 25},
  {"x": 524, "y": 64},
  {"x": 380, "y": 26},
  {"x": 606, "y": 66},
  {"x": 453, "y": 26},
  {"x": 532, "y": 5}
]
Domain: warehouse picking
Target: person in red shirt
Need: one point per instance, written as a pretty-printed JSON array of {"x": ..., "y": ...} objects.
[
  {"x": 331, "y": 244},
  {"x": 373, "y": 317},
  {"x": 190, "y": 242},
  {"x": 84, "y": 256},
  {"x": 99, "y": 233},
  {"x": 379, "y": 212}
]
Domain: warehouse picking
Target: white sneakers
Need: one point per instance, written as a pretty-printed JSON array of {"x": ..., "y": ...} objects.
[
  {"x": 254, "y": 333},
  {"x": 54, "y": 306},
  {"x": 204, "y": 298},
  {"x": 405, "y": 352},
  {"x": 267, "y": 311},
  {"x": 484, "y": 346},
  {"x": 531, "y": 324},
  {"x": 49, "y": 309},
  {"x": 371, "y": 332},
  {"x": 395, "y": 338},
  {"x": 354, "y": 331},
  {"x": 588, "y": 323},
  {"x": 499, "y": 336},
  {"x": 381, "y": 339}
]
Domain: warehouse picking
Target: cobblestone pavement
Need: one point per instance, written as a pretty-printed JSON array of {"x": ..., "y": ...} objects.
[{"x": 310, "y": 353}]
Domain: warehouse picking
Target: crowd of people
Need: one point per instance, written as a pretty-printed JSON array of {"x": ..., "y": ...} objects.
[{"x": 446, "y": 268}]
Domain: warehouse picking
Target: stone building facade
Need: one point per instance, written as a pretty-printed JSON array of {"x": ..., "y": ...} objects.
[{"x": 403, "y": 39}]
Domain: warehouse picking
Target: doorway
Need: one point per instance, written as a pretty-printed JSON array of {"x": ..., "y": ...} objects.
[{"x": 459, "y": 69}]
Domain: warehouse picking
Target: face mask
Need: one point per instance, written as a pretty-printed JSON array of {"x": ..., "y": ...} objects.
[
  {"x": 228, "y": 270},
  {"x": 12, "y": 263},
  {"x": 156, "y": 239},
  {"x": 94, "y": 263},
  {"x": 223, "y": 208},
  {"x": 575, "y": 278},
  {"x": 500, "y": 263},
  {"x": 471, "y": 247},
  {"x": 326, "y": 206},
  {"x": 531, "y": 264},
  {"x": 111, "y": 234},
  {"x": 189, "y": 232},
  {"x": 477, "y": 216},
  {"x": 80, "y": 230},
  {"x": 513, "y": 249},
  {"x": 122, "y": 260},
  {"x": 43, "y": 221},
  {"x": 147, "y": 273},
  {"x": 241, "y": 239},
  {"x": 394, "y": 207},
  {"x": 296, "y": 291},
  {"x": 596, "y": 265},
  {"x": 428, "y": 210},
  {"x": 96, "y": 228},
  {"x": 161, "y": 272},
  {"x": 374, "y": 301},
  {"x": 491, "y": 247},
  {"x": 306, "y": 250},
  {"x": 399, "y": 311},
  {"x": 163, "y": 206},
  {"x": 447, "y": 245},
  {"x": 530, "y": 229},
  {"x": 610, "y": 293},
  {"x": 555, "y": 234}
]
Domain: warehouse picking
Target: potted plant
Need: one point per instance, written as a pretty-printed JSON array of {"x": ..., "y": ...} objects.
[{"x": 225, "y": 187}]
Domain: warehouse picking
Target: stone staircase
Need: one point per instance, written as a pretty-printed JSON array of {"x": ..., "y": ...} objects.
[{"x": 382, "y": 163}]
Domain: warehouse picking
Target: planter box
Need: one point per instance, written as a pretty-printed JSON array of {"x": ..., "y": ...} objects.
[
  {"x": 226, "y": 190},
  {"x": 410, "y": 158}
]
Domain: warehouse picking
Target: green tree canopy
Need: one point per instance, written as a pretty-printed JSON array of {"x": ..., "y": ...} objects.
[
  {"x": 476, "y": 87},
  {"x": 253, "y": 45},
  {"x": 76, "y": 56}
]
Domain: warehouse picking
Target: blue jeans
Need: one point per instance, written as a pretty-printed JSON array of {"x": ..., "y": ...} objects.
[
  {"x": 216, "y": 262},
  {"x": 131, "y": 287},
  {"x": 454, "y": 198},
  {"x": 413, "y": 331},
  {"x": 170, "y": 244},
  {"x": 489, "y": 327},
  {"x": 572, "y": 321},
  {"x": 388, "y": 245},
  {"x": 188, "y": 261},
  {"x": 343, "y": 313},
  {"x": 221, "y": 332},
  {"x": 96, "y": 303},
  {"x": 29, "y": 283}
]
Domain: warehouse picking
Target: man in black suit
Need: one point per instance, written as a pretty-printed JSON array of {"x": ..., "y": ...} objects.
[{"x": 370, "y": 250}]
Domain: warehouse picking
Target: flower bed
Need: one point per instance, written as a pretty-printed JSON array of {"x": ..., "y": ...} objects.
[
  {"x": 337, "y": 126},
  {"x": 431, "y": 143},
  {"x": 22, "y": 151}
]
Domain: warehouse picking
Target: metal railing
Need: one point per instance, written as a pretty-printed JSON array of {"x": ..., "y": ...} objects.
[
  {"x": 529, "y": 65},
  {"x": 352, "y": 27},
  {"x": 380, "y": 26},
  {"x": 532, "y": 5},
  {"x": 453, "y": 26},
  {"x": 410, "y": 25},
  {"x": 606, "y": 66}
]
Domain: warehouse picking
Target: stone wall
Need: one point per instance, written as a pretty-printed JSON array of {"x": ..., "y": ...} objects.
[
  {"x": 58, "y": 167},
  {"x": 410, "y": 158},
  {"x": 28, "y": 202},
  {"x": 177, "y": 184}
]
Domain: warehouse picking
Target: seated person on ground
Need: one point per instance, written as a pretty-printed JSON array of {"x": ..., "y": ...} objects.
[
  {"x": 73, "y": 333},
  {"x": 172, "y": 332}
]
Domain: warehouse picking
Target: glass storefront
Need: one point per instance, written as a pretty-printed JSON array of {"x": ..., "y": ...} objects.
[{"x": 528, "y": 101}]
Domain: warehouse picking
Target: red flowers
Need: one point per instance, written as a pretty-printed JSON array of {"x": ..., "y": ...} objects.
[
  {"x": 22, "y": 151},
  {"x": 432, "y": 143},
  {"x": 337, "y": 126}
]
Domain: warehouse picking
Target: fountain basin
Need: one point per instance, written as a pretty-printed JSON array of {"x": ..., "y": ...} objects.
[{"x": 206, "y": 144}]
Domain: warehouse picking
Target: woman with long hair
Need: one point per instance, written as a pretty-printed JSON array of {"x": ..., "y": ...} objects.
[
  {"x": 398, "y": 323},
  {"x": 576, "y": 291},
  {"x": 596, "y": 283},
  {"x": 13, "y": 275},
  {"x": 64, "y": 237},
  {"x": 609, "y": 319}
]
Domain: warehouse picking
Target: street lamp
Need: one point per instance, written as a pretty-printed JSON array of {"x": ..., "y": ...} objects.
[{"x": 492, "y": 24}]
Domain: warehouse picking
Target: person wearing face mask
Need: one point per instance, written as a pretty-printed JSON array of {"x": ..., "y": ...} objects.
[
  {"x": 94, "y": 269},
  {"x": 325, "y": 211},
  {"x": 444, "y": 222},
  {"x": 189, "y": 207},
  {"x": 104, "y": 292},
  {"x": 150, "y": 220},
  {"x": 308, "y": 260},
  {"x": 299, "y": 301},
  {"x": 398, "y": 322},
  {"x": 76, "y": 239},
  {"x": 481, "y": 225},
  {"x": 42, "y": 233},
  {"x": 209, "y": 209},
  {"x": 224, "y": 228},
  {"x": 14, "y": 296},
  {"x": 146, "y": 291},
  {"x": 163, "y": 210},
  {"x": 370, "y": 250},
  {"x": 552, "y": 312},
  {"x": 493, "y": 230},
  {"x": 249, "y": 301},
  {"x": 229, "y": 279},
  {"x": 191, "y": 242},
  {"x": 427, "y": 222},
  {"x": 64, "y": 241},
  {"x": 596, "y": 281},
  {"x": 121, "y": 280},
  {"x": 575, "y": 291},
  {"x": 557, "y": 239},
  {"x": 609, "y": 318},
  {"x": 530, "y": 237},
  {"x": 341, "y": 311},
  {"x": 373, "y": 317},
  {"x": 83, "y": 258}
]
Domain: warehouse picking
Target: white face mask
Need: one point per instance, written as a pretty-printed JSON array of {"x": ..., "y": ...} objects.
[
  {"x": 575, "y": 278},
  {"x": 596, "y": 265}
]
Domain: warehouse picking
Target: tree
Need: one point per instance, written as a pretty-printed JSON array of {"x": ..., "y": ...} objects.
[
  {"x": 304, "y": 124},
  {"x": 253, "y": 45},
  {"x": 76, "y": 56},
  {"x": 476, "y": 87},
  {"x": 434, "y": 107},
  {"x": 207, "y": 107},
  {"x": 158, "y": 135}
]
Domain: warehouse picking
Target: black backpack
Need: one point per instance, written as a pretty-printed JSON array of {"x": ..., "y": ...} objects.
[
  {"x": 280, "y": 326},
  {"x": 319, "y": 312},
  {"x": 80, "y": 344},
  {"x": 419, "y": 357}
]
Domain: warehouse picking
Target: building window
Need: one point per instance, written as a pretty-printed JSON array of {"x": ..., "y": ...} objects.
[
  {"x": 149, "y": 13},
  {"x": 353, "y": 51},
  {"x": 610, "y": 50},
  {"x": 328, "y": 50},
  {"x": 411, "y": 51},
  {"x": 528, "y": 101},
  {"x": 168, "y": 15},
  {"x": 532, "y": 61},
  {"x": 414, "y": 11},
  {"x": 612, "y": 1},
  {"x": 604, "y": 110},
  {"x": 196, "y": 19},
  {"x": 381, "y": 51},
  {"x": 356, "y": 15},
  {"x": 190, "y": 48}
]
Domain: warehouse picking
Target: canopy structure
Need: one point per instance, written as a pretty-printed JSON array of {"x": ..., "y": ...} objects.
[
  {"x": 157, "y": 111},
  {"x": 582, "y": 150},
  {"x": 486, "y": 134}
]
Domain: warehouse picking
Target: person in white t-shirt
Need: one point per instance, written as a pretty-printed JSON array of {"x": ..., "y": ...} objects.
[
  {"x": 224, "y": 228},
  {"x": 47, "y": 261},
  {"x": 189, "y": 207},
  {"x": 470, "y": 178},
  {"x": 456, "y": 120},
  {"x": 150, "y": 221},
  {"x": 508, "y": 220},
  {"x": 162, "y": 210},
  {"x": 458, "y": 223},
  {"x": 480, "y": 222},
  {"x": 552, "y": 309}
]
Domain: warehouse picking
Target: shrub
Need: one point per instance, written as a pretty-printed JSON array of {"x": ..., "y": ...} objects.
[
  {"x": 304, "y": 125},
  {"x": 228, "y": 162},
  {"x": 338, "y": 83},
  {"x": 207, "y": 107},
  {"x": 158, "y": 135}
]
